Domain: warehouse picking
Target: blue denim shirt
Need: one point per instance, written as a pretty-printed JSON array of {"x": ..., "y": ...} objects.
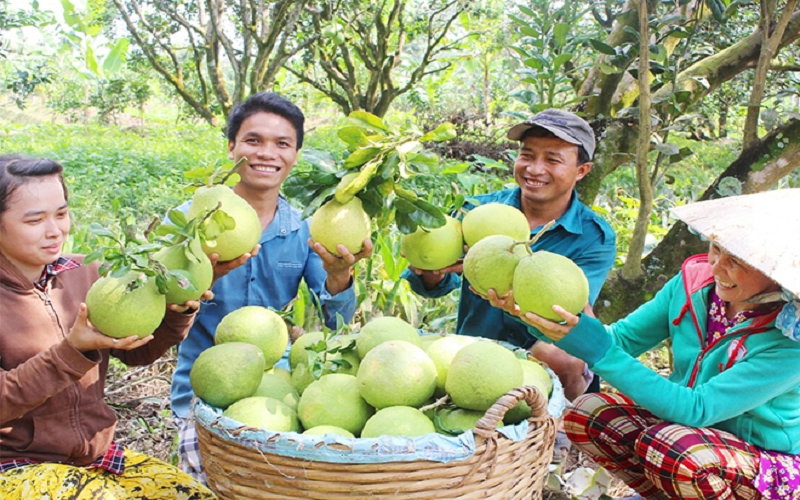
[
  {"x": 579, "y": 234},
  {"x": 270, "y": 279}
]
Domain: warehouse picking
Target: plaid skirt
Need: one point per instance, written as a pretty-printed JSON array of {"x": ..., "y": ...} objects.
[
  {"x": 144, "y": 478},
  {"x": 664, "y": 461}
]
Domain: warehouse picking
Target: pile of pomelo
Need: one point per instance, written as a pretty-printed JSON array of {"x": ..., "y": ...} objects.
[{"x": 373, "y": 383}]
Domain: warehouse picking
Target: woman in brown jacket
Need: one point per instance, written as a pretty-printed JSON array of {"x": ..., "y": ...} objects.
[{"x": 56, "y": 431}]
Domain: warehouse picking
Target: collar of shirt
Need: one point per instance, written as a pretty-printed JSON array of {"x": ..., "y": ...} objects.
[
  {"x": 286, "y": 221},
  {"x": 60, "y": 265}
]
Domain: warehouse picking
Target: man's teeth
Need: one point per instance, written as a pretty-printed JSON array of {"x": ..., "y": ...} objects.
[
  {"x": 535, "y": 183},
  {"x": 259, "y": 168},
  {"x": 726, "y": 285}
]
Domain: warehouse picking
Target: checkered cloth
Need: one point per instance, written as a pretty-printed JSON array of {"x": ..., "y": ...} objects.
[
  {"x": 113, "y": 461},
  {"x": 60, "y": 265},
  {"x": 189, "y": 449},
  {"x": 658, "y": 459}
]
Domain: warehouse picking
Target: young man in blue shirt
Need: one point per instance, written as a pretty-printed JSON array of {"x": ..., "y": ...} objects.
[
  {"x": 268, "y": 130},
  {"x": 556, "y": 149}
]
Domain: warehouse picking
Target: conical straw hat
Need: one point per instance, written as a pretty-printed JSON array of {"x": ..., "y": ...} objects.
[{"x": 761, "y": 229}]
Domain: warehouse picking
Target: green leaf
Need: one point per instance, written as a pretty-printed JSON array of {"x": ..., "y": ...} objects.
[
  {"x": 667, "y": 149},
  {"x": 367, "y": 120},
  {"x": 225, "y": 221},
  {"x": 534, "y": 63},
  {"x": 198, "y": 173},
  {"x": 361, "y": 156},
  {"x": 177, "y": 217},
  {"x": 194, "y": 250},
  {"x": 717, "y": 9},
  {"x": 603, "y": 48},
  {"x": 372, "y": 202},
  {"x": 184, "y": 279},
  {"x": 167, "y": 229},
  {"x": 560, "y": 32},
  {"x": 404, "y": 223},
  {"x": 404, "y": 206},
  {"x": 527, "y": 11},
  {"x": 427, "y": 215},
  {"x": 561, "y": 60},
  {"x": 527, "y": 30},
  {"x": 443, "y": 132},
  {"x": 608, "y": 69},
  {"x": 99, "y": 230},
  {"x": 91, "y": 62},
  {"x": 424, "y": 162},
  {"x": 93, "y": 256},
  {"x": 352, "y": 135},
  {"x": 318, "y": 200},
  {"x": 386, "y": 170},
  {"x": 455, "y": 168},
  {"x": 116, "y": 58}
]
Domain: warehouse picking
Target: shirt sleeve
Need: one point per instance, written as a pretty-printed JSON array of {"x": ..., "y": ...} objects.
[
  {"x": 343, "y": 303},
  {"x": 450, "y": 282},
  {"x": 746, "y": 385},
  {"x": 596, "y": 261}
]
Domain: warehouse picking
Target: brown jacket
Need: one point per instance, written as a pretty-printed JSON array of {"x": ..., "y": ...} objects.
[{"x": 51, "y": 395}]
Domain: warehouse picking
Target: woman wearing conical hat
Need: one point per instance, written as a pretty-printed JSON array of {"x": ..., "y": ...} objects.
[{"x": 725, "y": 424}]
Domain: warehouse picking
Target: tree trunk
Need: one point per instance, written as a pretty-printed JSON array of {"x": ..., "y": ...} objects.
[
  {"x": 633, "y": 261},
  {"x": 757, "y": 169}
]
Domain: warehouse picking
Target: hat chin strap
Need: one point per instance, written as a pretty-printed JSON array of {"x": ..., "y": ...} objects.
[{"x": 765, "y": 298}]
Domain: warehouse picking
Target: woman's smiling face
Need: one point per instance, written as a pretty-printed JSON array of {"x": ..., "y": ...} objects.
[{"x": 736, "y": 281}]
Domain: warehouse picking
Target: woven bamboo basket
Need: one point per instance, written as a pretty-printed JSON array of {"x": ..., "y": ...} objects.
[{"x": 500, "y": 468}]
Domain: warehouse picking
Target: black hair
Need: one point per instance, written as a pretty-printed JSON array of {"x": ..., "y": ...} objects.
[
  {"x": 16, "y": 170},
  {"x": 583, "y": 155},
  {"x": 266, "y": 102}
]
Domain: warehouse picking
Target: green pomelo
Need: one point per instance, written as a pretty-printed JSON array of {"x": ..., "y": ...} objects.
[
  {"x": 398, "y": 421},
  {"x": 281, "y": 373},
  {"x": 273, "y": 386},
  {"x": 480, "y": 373},
  {"x": 442, "y": 353},
  {"x": 427, "y": 340},
  {"x": 264, "y": 413},
  {"x": 225, "y": 373},
  {"x": 341, "y": 224},
  {"x": 255, "y": 325},
  {"x": 235, "y": 242},
  {"x": 545, "y": 279},
  {"x": 298, "y": 354},
  {"x": 334, "y": 400},
  {"x": 321, "y": 430},
  {"x": 495, "y": 218},
  {"x": 379, "y": 330},
  {"x": 437, "y": 248},
  {"x": 455, "y": 421},
  {"x": 119, "y": 313},
  {"x": 534, "y": 374},
  {"x": 490, "y": 264},
  {"x": 301, "y": 378},
  {"x": 396, "y": 373},
  {"x": 202, "y": 273}
]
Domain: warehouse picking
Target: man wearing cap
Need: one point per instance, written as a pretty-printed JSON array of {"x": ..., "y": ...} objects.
[{"x": 556, "y": 149}]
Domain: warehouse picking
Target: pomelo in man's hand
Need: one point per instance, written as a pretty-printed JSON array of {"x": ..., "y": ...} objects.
[
  {"x": 398, "y": 421},
  {"x": 255, "y": 325},
  {"x": 495, "y": 218},
  {"x": 345, "y": 224},
  {"x": 545, "y": 279},
  {"x": 117, "y": 312},
  {"x": 233, "y": 243},
  {"x": 434, "y": 248},
  {"x": 225, "y": 373},
  {"x": 200, "y": 274},
  {"x": 380, "y": 330},
  {"x": 491, "y": 262},
  {"x": 480, "y": 373}
]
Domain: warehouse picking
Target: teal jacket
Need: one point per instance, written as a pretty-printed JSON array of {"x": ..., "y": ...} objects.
[{"x": 746, "y": 383}]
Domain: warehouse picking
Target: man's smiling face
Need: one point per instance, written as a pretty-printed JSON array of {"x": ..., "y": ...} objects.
[{"x": 269, "y": 142}]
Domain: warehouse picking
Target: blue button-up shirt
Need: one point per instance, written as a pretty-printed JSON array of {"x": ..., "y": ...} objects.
[
  {"x": 579, "y": 234},
  {"x": 270, "y": 279}
]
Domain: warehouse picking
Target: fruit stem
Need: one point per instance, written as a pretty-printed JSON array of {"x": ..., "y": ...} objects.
[
  {"x": 528, "y": 244},
  {"x": 233, "y": 170},
  {"x": 439, "y": 402}
]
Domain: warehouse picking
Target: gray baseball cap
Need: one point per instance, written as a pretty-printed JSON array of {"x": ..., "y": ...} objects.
[{"x": 565, "y": 125}]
